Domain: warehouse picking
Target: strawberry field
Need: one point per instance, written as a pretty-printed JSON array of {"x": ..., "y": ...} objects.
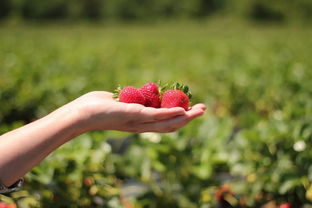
[{"x": 252, "y": 148}]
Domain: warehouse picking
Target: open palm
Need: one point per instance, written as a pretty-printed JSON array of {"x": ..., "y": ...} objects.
[{"x": 101, "y": 111}]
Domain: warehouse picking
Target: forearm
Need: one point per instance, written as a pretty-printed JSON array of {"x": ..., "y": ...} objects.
[{"x": 23, "y": 148}]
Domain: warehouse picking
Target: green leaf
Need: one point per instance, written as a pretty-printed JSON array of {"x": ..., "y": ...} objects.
[{"x": 288, "y": 185}]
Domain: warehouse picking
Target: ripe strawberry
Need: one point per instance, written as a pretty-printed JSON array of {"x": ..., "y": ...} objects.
[
  {"x": 285, "y": 205},
  {"x": 151, "y": 94},
  {"x": 174, "y": 98},
  {"x": 178, "y": 96},
  {"x": 131, "y": 94},
  {"x": 222, "y": 191},
  {"x": 5, "y": 205}
]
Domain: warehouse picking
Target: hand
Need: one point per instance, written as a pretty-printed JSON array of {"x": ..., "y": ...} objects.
[
  {"x": 92, "y": 111},
  {"x": 100, "y": 111}
]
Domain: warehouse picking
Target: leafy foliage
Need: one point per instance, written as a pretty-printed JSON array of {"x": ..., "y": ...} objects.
[
  {"x": 255, "y": 137},
  {"x": 139, "y": 10}
]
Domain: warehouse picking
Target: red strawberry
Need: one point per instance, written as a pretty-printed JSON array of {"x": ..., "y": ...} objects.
[
  {"x": 175, "y": 98},
  {"x": 151, "y": 94},
  {"x": 5, "y": 205},
  {"x": 285, "y": 205},
  {"x": 178, "y": 96},
  {"x": 222, "y": 191},
  {"x": 131, "y": 94}
]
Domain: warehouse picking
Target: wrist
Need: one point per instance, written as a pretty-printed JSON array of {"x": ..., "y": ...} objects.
[
  {"x": 69, "y": 120},
  {"x": 78, "y": 118}
]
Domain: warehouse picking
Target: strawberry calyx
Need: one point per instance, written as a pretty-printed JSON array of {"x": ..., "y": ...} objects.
[
  {"x": 117, "y": 92},
  {"x": 162, "y": 87},
  {"x": 183, "y": 88}
]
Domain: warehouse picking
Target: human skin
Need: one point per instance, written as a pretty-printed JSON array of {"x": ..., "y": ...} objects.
[{"x": 23, "y": 148}]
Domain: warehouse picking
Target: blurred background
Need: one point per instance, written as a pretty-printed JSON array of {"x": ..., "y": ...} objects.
[{"x": 249, "y": 61}]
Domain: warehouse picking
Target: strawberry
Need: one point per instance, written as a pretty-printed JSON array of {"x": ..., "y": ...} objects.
[
  {"x": 285, "y": 205},
  {"x": 222, "y": 191},
  {"x": 226, "y": 197},
  {"x": 5, "y": 205},
  {"x": 151, "y": 93},
  {"x": 174, "y": 98},
  {"x": 177, "y": 97},
  {"x": 131, "y": 94}
]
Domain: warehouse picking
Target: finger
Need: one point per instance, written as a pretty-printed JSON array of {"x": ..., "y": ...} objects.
[
  {"x": 157, "y": 114},
  {"x": 174, "y": 123},
  {"x": 194, "y": 113},
  {"x": 102, "y": 94},
  {"x": 106, "y": 94},
  {"x": 199, "y": 106}
]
